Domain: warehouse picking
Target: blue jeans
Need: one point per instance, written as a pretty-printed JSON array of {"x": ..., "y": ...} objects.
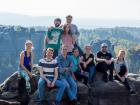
[
  {"x": 24, "y": 75},
  {"x": 42, "y": 89},
  {"x": 71, "y": 87},
  {"x": 91, "y": 71}
]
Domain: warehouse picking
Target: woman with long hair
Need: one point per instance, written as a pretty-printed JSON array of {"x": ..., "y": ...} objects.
[
  {"x": 26, "y": 64},
  {"x": 67, "y": 39},
  {"x": 121, "y": 71}
]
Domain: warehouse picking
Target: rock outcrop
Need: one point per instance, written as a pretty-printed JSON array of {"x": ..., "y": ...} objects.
[
  {"x": 12, "y": 39},
  {"x": 99, "y": 93},
  {"x": 114, "y": 93}
]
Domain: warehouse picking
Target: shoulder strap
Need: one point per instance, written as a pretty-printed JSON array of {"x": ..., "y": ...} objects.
[
  {"x": 30, "y": 54},
  {"x": 25, "y": 53}
]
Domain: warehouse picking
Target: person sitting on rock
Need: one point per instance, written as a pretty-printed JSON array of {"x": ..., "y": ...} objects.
[
  {"x": 49, "y": 77},
  {"x": 87, "y": 63},
  {"x": 66, "y": 75},
  {"x": 53, "y": 37},
  {"x": 105, "y": 62},
  {"x": 76, "y": 66},
  {"x": 26, "y": 64},
  {"x": 121, "y": 71}
]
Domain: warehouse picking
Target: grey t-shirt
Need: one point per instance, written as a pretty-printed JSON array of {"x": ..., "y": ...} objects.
[{"x": 117, "y": 65}]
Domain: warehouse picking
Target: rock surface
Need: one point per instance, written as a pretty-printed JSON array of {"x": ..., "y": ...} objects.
[
  {"x": 99, "y": 93},
  {"x": 114, "y": 93}
]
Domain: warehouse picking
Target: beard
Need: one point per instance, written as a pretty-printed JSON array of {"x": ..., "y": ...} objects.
[{"x": 57, "y": 25}]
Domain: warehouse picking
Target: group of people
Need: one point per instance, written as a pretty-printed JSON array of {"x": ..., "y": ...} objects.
[{"x": 64, "y": 63}]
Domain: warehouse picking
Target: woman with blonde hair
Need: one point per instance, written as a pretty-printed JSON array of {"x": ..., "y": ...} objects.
[
  {"x": 87, "y": 63},
  {"x": 121, "y": 70},
  {"x": 26, "y": 64}
]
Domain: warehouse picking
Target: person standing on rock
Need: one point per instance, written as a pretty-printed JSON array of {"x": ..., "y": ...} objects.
[
  {"x": 105, "y": 62},
  {"x": 121, "y": 71},
  {"x": 74, "y": 32},
  {"x": 67, "y": 38},
  {"x": 53, "y": 37},
  {"x": 66, "y": 75},
  {"x": 87, "y": 63},
  {"x": 26, "y": 64},
  {"x": 49, "y": 77}
]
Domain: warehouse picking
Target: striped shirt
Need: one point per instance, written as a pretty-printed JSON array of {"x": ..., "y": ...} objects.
[{"x": 48, "y": 67}]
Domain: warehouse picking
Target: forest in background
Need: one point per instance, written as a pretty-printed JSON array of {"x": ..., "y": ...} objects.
[{"x": 12, "y": 40}]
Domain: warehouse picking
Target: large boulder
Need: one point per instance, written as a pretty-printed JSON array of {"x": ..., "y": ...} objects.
[
  {"x": 99, "y": 93},
  {"x": 50, "y": 96},
  {"x": 9, "y": 91},
  {"x": 4, "y": 102},
  {"x": 113, "y": 93}
]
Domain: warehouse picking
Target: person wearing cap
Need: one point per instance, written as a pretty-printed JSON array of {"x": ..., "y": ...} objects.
[
  {"x": 53, "y": 37},
  {"x": 87, "y": 64},
  {"x": 26, "y": 64},
  {"x": 74, "y": 32},
  {"x": 105, "y": 62}
]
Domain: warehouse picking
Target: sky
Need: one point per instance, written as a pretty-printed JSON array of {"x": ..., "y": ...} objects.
[{"x": 107, "y": 9}]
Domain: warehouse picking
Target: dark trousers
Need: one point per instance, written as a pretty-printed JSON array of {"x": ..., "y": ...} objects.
[
  {"x": 125, "y": 82},
  {"x": 103, "y": 67},
  {"x": 81, "y": 77}
]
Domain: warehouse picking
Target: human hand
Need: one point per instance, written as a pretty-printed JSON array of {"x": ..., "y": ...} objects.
[
  {"x": 52, "y": 84},
  {"x": 48, "y": 83}
]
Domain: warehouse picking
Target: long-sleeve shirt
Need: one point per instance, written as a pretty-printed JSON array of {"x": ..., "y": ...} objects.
[
  {"x": 75, "y": 32},
  {"x": 64, "y": 63}
]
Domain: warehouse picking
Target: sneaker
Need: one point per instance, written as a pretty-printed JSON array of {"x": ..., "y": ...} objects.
[{"x": 132, "y": 93}]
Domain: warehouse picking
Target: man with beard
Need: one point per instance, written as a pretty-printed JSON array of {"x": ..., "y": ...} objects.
[{"x": 53, "y": 37}]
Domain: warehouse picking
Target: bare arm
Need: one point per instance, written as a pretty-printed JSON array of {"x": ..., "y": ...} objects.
[
  {"x": 100, "y": 60},
  {"x": 42, "y": 75},
  {"x": 55, "y": 74},
  {"x": 46, "y": 40},
  {"x": 32, "y": 57},
  {"x": 22, "y": 64},
  {"x": 90, "y": 60}
]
